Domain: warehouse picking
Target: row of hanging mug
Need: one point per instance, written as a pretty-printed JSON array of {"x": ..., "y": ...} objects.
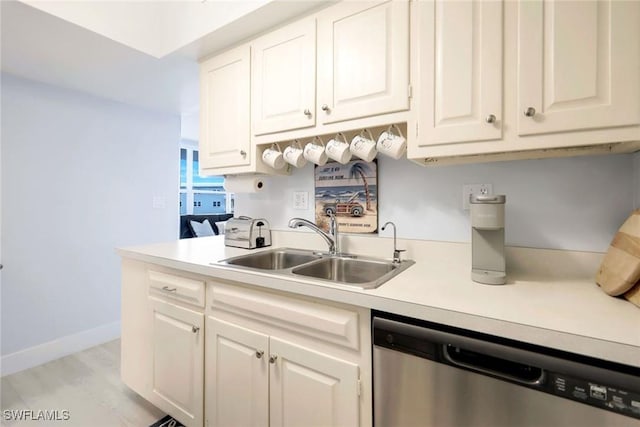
[{"x": 390, "y": 142}]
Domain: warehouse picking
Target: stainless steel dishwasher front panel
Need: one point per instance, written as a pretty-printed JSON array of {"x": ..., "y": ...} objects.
[{"x": 412, "y": 391}]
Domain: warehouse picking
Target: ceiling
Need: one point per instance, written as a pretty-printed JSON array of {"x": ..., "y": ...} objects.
[{"x": 42, "y": 47}]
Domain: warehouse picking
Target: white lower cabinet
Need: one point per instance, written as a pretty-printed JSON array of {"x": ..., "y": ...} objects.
[
  {"x": 237, "y": 385},
  {"x": 162, "y": 340},
  {"x": 226, "y": 354},
  {"x": 309, "y": 388},
  {"x": 277, "y": 360},
  {"x": 257, "y": 380},
  {"x": 178, "y": 354}
]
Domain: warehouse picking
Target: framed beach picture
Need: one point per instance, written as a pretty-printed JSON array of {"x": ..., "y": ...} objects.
[{"x": 350, "y": 192}]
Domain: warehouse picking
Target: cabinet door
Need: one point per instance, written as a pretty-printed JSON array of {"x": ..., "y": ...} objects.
[
  {"x": 308, "y": 388},
  {"x": 237, "y": 383},
  {"x": 284, "y": 79},
  {"x": 224, "y": 110},
  {"x": 578, "y": 65},
  {"x": 363, "y": 60},
  {"x": 178, "y": 359},
  {"x": 461, "y": 63}
]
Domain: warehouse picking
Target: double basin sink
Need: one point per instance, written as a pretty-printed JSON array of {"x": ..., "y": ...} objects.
[{"x": 361, "y": 272}]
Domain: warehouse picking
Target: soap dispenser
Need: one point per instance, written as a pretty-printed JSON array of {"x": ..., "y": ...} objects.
[{"x": 487, "y": 239}]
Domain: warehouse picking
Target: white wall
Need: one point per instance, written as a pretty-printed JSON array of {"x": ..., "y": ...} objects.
[
  {"x": 79, "y": 176},
  {"x": 571, "y": 203}
]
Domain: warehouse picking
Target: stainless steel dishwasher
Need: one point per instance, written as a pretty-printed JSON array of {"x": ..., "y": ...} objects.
[{"x": 427, "y": 374}]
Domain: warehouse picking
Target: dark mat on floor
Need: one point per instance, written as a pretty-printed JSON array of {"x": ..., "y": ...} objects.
[{"x": 167, "y": 421}]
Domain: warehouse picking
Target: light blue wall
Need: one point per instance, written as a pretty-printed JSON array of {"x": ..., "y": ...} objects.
[
  {"x": 566, "y": 203},
  {"x": 79, "y": 175}
]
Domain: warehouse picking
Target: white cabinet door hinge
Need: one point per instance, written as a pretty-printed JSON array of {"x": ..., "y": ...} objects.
[
  {"x": 410, "y": 91},
  {"x": 359, "y": 388},
  {"x": 416, "y": 129}
]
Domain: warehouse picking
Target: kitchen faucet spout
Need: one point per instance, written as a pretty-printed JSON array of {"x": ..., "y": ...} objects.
[{"x": 331, "y": 238}]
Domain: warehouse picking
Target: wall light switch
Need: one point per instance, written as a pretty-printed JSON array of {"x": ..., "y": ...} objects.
[{"x": 300, "y": 200}]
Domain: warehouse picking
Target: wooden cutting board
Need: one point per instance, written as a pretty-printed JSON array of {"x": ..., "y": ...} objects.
[{"x": 620, "y": 269}]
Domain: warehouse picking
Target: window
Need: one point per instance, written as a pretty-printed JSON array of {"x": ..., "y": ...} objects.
[{"x": 200, "y": 195}]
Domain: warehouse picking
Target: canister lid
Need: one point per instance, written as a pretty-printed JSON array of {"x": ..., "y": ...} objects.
[{"x": 497, "y": 199}]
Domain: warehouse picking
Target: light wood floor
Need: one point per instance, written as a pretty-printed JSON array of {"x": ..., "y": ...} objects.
[{"x": 87, "y": 384}]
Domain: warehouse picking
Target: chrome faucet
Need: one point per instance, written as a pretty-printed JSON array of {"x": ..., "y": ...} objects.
[
  {"x": 396, "y": 251},
  {"x": 331, "y": 238}
]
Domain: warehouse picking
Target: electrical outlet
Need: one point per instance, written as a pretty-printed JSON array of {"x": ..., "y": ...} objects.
[
  {"x": 300, "y": 200},
  {"x": 469, "y": 189}
]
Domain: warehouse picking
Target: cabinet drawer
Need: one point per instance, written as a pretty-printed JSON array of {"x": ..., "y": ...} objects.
[
  {"x": 177, "y": 287},
  {"x": 328, "y": 323}
]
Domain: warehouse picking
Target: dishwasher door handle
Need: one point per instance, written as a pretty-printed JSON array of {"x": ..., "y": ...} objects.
[
  {"x": 481, "y": 345},
  {"x": 493, "y": 372}
]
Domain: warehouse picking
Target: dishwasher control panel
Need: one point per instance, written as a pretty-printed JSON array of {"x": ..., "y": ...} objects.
[{"x": 600, "y": 395}]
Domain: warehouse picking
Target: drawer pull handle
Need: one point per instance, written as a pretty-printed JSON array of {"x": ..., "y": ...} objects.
[
  {"x": 325, "y": 108},
  {"x": 168, "y": 289},
  {"x": 307, "y": 112},
  {"x": 530, "y": 112},
  {"x": 272, "y": 359},
  {"x": 259, "y": 354},
  {"x": 491, "y": 119},
  {"x": 195, "y": 329}
]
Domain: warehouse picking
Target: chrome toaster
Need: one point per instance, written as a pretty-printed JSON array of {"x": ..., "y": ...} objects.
[{"x": 247, "y": 233}]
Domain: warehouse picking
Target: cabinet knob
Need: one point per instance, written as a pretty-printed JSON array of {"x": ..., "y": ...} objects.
[
  {"x": 272, "y": 359},
  {"x": 530, "y": 112},
  {"x": 490, "y": 119},
  {"x": 325, "y": 107},
  {"x": 243, "y": 153},
  {"x": 307, "y": 112},
  {"x": 195, "y": 329},
  {"x": 259, "y": 354}
]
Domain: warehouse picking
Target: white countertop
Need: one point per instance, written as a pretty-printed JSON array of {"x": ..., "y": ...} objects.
[{"x": 550, "y": 298}]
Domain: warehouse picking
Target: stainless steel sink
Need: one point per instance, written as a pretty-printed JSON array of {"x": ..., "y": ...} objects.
[
  {"x": 345, "y": 270},
  {"x": 277, "y": 259},
  {"x": 350, "y": 270},
  {"x": 364, "y": 273}
]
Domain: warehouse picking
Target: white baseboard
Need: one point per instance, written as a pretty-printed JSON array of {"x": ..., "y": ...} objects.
[{"x": 46, "y": 352}]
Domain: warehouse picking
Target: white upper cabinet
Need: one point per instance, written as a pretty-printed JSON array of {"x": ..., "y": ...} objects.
[
  {"x": 461, "y": 70},
  {"x": 363, "y": 60},
  {"x": 284, "y": 79},
  {"x": 578, "y": 65},
  {"x": 225, "y": 135}
]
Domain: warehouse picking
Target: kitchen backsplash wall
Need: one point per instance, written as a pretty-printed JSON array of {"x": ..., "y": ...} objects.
[{"x": 566, "y": 203}]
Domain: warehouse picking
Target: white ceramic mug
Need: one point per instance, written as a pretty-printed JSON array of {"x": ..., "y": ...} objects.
[
  {"x": 338, "y": 149},
  {"x": 273, "y": 157},
  {"x": 294, "y": 155},
  {"x": 315, "y": 152},
  {"x": 391, "y": 143},
  {"x": 364, "y": 146}
]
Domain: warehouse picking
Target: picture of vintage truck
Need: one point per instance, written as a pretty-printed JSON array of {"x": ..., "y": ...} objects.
[{"x": 349, "y": 207}]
